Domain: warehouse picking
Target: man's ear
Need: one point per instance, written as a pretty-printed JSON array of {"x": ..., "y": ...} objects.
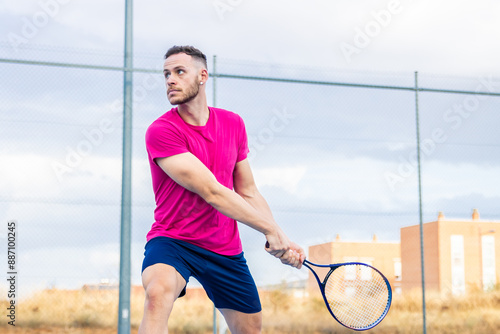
[{"x": 203, "y": 76}]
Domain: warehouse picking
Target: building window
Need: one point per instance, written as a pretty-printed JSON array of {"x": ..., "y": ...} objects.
[
  {"x": 488, "y": 262},
  {"x": 366, "y": 273},
  {"x": 397, "y": 269},
  {"x": 457, "y": 265},
  {"x": 350, "y": 271}
]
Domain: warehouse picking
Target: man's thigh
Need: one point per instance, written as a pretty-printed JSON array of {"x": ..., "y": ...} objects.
[
  {"x": 242, "y": 323},
  {"x": 163, "y": 284},
  {"x": 162, "y": 280}
]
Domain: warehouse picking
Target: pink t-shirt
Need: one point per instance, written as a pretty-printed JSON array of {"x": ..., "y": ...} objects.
[{"x": 180, "y": 213}]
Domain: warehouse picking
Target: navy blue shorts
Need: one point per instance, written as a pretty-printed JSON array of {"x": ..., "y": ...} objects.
[{"x": 226, "y": 279}]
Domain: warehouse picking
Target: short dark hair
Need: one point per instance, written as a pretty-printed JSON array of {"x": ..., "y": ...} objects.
[{"x": 189, "y": 50}]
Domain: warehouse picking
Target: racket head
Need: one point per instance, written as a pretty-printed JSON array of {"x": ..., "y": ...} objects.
[{"x": 357, "y": 295}]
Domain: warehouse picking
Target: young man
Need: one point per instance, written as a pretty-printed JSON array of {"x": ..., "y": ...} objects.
[{"x": 198, "y": 155}]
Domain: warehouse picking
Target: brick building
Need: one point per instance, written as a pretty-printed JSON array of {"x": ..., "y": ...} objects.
[{"x": 459, "y": 255}]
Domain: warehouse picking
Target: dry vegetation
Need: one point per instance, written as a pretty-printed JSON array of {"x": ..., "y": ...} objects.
[{"x": 95, "y": 312}]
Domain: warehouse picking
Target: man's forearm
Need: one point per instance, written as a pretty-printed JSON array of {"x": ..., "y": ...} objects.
[
  {"x": 258, "y": 202},
  {"x": 254, "y": 213}
]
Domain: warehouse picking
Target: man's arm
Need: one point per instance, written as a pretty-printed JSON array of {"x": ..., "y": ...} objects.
[
  {"x": 245, "y": 186},
  {"x": 189, "y": 172}
]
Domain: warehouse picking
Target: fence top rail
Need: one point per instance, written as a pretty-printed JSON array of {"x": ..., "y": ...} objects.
[{"x": 248, "y": 77}]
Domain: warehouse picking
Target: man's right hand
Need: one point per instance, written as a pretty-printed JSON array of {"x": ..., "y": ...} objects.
[{"x": 292, "y": 255}]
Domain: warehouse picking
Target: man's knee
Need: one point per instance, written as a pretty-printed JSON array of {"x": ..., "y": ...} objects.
[
  {"x": 158, "y": 296},
  {"x": 162, "y": 285}
]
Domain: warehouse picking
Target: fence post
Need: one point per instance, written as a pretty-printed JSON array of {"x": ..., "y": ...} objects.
[
  {"x": 126, "y": 201},
  {"x": 214, "y": 103},
  {"x": 420, "y": 204}
]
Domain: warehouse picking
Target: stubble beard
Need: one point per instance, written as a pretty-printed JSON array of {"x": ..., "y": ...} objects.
[{"x": 190, "y": 94}]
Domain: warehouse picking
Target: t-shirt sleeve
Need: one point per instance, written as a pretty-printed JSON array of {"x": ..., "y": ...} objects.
[
  {"x": 164, "y": 140},
  {"x": 243, "y": 142}
]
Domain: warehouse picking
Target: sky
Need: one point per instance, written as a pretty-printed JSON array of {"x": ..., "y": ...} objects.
[{"x": 329, "y": 160}]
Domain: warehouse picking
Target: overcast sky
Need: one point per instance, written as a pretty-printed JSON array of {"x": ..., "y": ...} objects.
[{"x": 330, "y": 160}]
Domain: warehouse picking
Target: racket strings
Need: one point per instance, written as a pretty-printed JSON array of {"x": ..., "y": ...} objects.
[{"x": 357, "y": 295}]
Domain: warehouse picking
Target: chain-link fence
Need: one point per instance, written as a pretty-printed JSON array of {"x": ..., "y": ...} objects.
[{"x": 332, "y": 152}]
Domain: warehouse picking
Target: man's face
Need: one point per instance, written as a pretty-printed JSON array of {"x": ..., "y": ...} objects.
[{"x": 181, "y": 77}]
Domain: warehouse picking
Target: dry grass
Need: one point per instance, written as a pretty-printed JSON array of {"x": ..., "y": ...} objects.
[{"x": 95, "y": 312}]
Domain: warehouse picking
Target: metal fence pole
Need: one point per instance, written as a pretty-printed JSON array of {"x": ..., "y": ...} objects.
[
  {"x": 126, "y": 200},
  {"x": 420, "y": 203},
  {"x": 214, "y": 82},
  {"x": 214, "y": 103}
]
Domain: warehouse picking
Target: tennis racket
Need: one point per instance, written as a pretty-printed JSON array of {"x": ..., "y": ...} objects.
[{"x": 357, "y": 295}]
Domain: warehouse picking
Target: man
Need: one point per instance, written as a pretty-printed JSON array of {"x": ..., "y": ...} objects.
[{"x": 198, "y": 155}]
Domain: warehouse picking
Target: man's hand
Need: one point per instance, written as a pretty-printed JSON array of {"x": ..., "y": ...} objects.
[{"x": 292, "y": 255}]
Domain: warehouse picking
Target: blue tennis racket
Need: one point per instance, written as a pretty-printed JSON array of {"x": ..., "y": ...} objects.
[{"x": 357, "y": 295}]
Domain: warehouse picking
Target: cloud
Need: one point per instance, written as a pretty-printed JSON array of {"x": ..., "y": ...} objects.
[
  {"x": 284, "y": 177},
  {"x": 460, "y": 180}
]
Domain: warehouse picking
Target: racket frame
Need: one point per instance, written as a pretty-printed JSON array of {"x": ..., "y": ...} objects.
[{"x": 322, "y": 286}]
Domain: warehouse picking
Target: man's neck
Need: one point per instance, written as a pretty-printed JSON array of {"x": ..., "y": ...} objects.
[{"x": 194, "y": 112}]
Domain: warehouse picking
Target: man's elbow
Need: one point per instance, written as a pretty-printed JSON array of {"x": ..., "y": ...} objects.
[
  {"x": 212, "y": 194},
  {"x": 249, "y": 193}
]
